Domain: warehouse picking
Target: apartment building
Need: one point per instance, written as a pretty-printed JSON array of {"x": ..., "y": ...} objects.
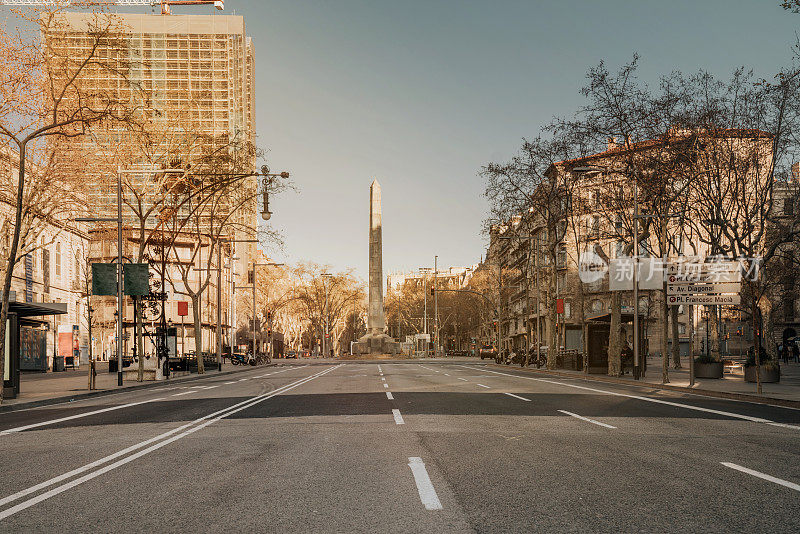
[{"x": 536, "y": 261}]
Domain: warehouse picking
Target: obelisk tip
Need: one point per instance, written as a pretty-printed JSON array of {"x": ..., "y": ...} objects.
[{"x": 374, "y": 183}]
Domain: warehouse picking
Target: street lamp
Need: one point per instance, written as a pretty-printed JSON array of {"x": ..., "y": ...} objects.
[
  {"x": 265, "y": 213},
  {"x": 267, "y": 264},
  {"x": 325, "y": 276},
  {"x": 219, "y": 293}
]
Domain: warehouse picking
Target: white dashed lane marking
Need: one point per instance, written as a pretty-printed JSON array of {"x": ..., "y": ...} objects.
[
  {"x": 517, "y": 397},
  {"x": 576, "y": 416},
  {"x": 398, "y": 418},
  {"x": 427, "y": 493}
]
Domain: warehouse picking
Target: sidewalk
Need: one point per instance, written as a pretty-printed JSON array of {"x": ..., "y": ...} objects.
[
  {"x": 732, "y": 385},
  {"x": 39, "y": 389}
]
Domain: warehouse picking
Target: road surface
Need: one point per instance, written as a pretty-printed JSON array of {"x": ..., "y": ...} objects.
[{"x": 431, "y": 446}]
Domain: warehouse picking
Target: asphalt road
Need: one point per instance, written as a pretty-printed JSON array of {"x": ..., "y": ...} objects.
[{"x": 453, "y": 446}]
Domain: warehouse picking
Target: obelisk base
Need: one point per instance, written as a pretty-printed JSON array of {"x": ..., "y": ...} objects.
[{"x": 376, "y": 344}]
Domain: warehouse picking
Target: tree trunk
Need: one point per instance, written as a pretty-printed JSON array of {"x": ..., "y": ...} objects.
[
  {"x": 552, "y": 332},
  {"x": 676, "y": 347},
  {"x": 614, "y": 338},
  {"x": 11, "y": 260},
  {"x": 713, "y": 334},
  {"x": 198, "y": 333}
]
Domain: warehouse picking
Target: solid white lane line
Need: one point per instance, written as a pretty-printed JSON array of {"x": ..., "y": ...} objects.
[
  {"x": 517, "y": 397},
  {"x": 785, "y": 483},
  {"x": 646, "y": 399},
  {"x": 389, "y": 395},
  {"x": 220, "y": 414},
  {"x": 427, "y": 493},
  {"x": 576, "y": 416},
  {"x": 242, "y": 379},
  {"x": 784, "y": 425},
  {"x": 230, "y": 382},
  {"x": 398, "y": 418},
  {"x": 464, "y": 379},
  {"x": 386, "y": 385},
  {"x": 481, "y": 385},
  {"x": 184, "y": 393},
  {"x": 78, "y": 416}
]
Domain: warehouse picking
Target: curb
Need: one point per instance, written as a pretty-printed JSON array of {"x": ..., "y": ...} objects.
[
  {"x": 105, "y": 392},
  {"x": 770, "y": 401}
]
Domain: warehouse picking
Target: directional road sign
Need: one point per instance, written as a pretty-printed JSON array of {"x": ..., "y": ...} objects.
[
  {"x": 702, "y": 289},
  {"x": 709, "y": 300}
]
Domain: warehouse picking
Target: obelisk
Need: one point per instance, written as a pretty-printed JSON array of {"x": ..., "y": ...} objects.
[
  {"x": 376, "y": 320},
  {"x": 375, "y": 341}
]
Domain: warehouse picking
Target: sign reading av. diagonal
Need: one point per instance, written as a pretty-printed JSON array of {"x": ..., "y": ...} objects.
[
  {"x": 709, "y": 300},
  {"x": 702, "y": 289}
]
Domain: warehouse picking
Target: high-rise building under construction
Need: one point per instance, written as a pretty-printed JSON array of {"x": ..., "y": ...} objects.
[{"x": 190, "y": 80}]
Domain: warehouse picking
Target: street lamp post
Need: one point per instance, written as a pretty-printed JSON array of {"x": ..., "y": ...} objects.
[
  {"x": 267, "y": 264},
  {"x": 325, "y": 277},
  {"x": 435, "y": 306}
]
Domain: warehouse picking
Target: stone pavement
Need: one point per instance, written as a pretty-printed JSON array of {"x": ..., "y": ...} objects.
[{"x": 788, "y": 389}]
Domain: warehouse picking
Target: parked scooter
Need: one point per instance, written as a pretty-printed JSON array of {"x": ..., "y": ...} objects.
[{"x": 239, "y": 358}]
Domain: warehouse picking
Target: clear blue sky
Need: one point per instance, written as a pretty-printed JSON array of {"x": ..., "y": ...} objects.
[{"x": 421, "y": 94}]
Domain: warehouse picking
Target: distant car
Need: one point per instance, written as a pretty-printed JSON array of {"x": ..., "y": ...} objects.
[
  {"x": 487, "y": 351},
  {"x": 291, "y": 354}
]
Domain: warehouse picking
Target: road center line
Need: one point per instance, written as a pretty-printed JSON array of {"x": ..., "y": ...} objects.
[
  {"x": 184, "y": 393},
  {"x": 576, "y": 416},
  {"x": 641, "y": 398},
  {"x": 398, "y": 418},
  {"x": 427, "y": 493},
  {"x": 389, "y": 395},
  {"x": 785, "y": 483},
  {"x": 218, "y": 415},
  {"x": 464, "y": 379},
  {"x": 517, "y": 397},
  {"x": 230, "y": 382},
  {"x": 481, "y": 385}
]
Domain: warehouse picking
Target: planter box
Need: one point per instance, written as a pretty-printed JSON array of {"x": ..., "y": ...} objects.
[
  {"x": 772, "y": 375},
  {"x": 708, "y": 370}
]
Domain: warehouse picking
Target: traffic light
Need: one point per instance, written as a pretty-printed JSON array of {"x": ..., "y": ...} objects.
[
  {"x": 250, "y": 277},
  {"x": 433, "y": 290},
  {"x": 269, "y": 316}
]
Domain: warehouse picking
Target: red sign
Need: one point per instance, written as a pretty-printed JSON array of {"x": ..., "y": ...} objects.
[
  {"x": 559, "y": 305},
  {"x": 183, "y": 309}
]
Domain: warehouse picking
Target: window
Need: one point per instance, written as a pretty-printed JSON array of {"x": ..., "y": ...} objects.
[
  {"x": 596, "y": 227},
  {"x": 58, "y": 260},
  {"x": 788, "y": 309},
  {"x": 561, "y": 260},
  {"x": 788, "y": 207}
]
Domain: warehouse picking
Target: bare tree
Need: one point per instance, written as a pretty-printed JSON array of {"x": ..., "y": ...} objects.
[{"x": 43, "y": 97}]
